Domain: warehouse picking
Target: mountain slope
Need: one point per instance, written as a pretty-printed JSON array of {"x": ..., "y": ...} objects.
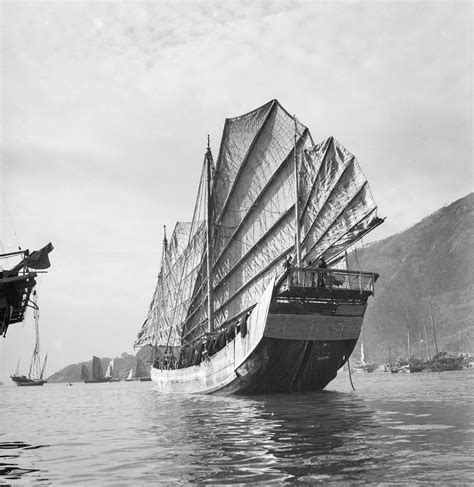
[{"x": 431, "y": 261}]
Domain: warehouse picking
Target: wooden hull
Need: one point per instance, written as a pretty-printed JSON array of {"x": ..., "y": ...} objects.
[
  {"x": 290, "y": 346},
  {"x": 23, "y": 381},
  {"x": 97, "y": 381},
  {"x": 33, "y": 383}
]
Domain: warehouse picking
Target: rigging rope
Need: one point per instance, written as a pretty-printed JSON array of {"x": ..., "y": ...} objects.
[
  {"x": 350, "y": 374},
  {"x": 11, "y": 220},
  {"x": 356, "y": 258}
]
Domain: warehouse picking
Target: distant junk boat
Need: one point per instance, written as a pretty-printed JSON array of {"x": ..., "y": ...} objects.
[
  {"x": 254, "y": 295},
  {"x": 97, "y": 372},
  {"x": 110, "y": 372},
  {"x": 85, "y": 375},
  {"x": 139, "y": 373}
]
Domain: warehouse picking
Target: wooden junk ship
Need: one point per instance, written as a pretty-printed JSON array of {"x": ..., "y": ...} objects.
[
  {"x": 253, "y": 295},
  {"x": 17, "y": 284}
]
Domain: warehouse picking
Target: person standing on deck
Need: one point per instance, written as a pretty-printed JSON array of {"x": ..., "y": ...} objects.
[
  {"x": 287, "y": 266},
  {"x": 321, "y": 265}
]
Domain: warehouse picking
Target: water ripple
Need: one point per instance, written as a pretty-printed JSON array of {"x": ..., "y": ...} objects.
[{"x": 391, "y": 430}]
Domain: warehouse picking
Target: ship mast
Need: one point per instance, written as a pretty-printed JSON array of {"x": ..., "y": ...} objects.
[
  {"x": 434, "y": 331},
  {"x": 297, "y": 204},
  {"x": 427, "y": 341},
  {"x": 210, "y": 314},
  {"x": 165, "y": 240},
  {"x": 408, "y": 335},
  {"x": 35, "y": 366}
]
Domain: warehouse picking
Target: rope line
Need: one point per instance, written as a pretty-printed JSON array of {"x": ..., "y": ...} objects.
[{"x": 11, "y": 220}]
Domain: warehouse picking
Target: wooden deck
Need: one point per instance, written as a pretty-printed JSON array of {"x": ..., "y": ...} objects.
[{"x": 328, "y": 284}]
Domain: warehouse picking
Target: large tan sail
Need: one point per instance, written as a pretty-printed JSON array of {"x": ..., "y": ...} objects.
[{"x": 253, "y": 222}]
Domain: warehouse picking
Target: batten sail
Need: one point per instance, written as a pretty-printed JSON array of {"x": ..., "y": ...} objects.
[
  {"x": 338, "y": 205},
  {"x": 97, "y": 371},
  {"x": 253, "y": 225},
  {"x": 85, "y": 373}
]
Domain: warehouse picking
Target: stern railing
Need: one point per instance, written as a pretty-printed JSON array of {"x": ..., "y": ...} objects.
[{"x": 327, "y": 278}]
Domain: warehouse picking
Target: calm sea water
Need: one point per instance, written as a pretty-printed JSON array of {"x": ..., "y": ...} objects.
[{"x": 393, "y": 429}]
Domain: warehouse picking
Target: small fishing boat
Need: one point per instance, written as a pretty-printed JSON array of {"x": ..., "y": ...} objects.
[{"x": 364, "y": 366}]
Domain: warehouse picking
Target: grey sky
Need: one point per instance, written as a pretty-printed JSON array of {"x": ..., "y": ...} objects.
[{"x": 106, "y": 107}]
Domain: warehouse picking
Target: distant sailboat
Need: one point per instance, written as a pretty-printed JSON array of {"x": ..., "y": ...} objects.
[
  {"x": 110, "y": 370},
  {"x": 109, "y": 373},
  {"x": 97, "y": 372},
  {"x": 442, "y": 361},
  {"x": 141, "y": 371},
  {"x": 85, "y": 373},
  {"x": 413, "y": 364},
  {"x": 130, "y": 375},
  {"x": 36, "y": 372},
  {"x": 364, "y": 366}
]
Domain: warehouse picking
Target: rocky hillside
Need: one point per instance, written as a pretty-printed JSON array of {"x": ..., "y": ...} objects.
[
  {"x": 122, "y": 366},
  {"x": 433, "y": 261}
]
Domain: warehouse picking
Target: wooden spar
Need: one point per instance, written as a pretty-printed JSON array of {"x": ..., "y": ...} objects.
[
  {"x": 427, "y": 340},
  {"x": 421, "y": 346},
  {"x": 44, "y": 366},
  {"x": 297, "y": 205},
  {"x": 165, "y": 240},
  {"x": 408, "y": 333},
  {"x": 210, "y": 314},
  {"x": 434, "y": 331}
]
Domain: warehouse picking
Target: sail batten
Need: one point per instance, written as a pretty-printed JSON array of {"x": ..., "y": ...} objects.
[
  {"x": 259, "y": 255},
  {"x": 342, "y": 213},
  {"x": 265, "y": 272}
]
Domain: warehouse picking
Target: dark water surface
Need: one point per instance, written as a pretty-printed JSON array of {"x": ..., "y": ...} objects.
[{"x": 395, "y": 429}]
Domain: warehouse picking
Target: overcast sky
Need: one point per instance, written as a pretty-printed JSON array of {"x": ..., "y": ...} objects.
[{"x": 106, "y": 107}]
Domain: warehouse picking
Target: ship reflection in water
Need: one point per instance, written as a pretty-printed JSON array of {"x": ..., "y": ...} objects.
[
  {"x": 273, "y": 438},
  {"x": 394, "y": 429}
]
